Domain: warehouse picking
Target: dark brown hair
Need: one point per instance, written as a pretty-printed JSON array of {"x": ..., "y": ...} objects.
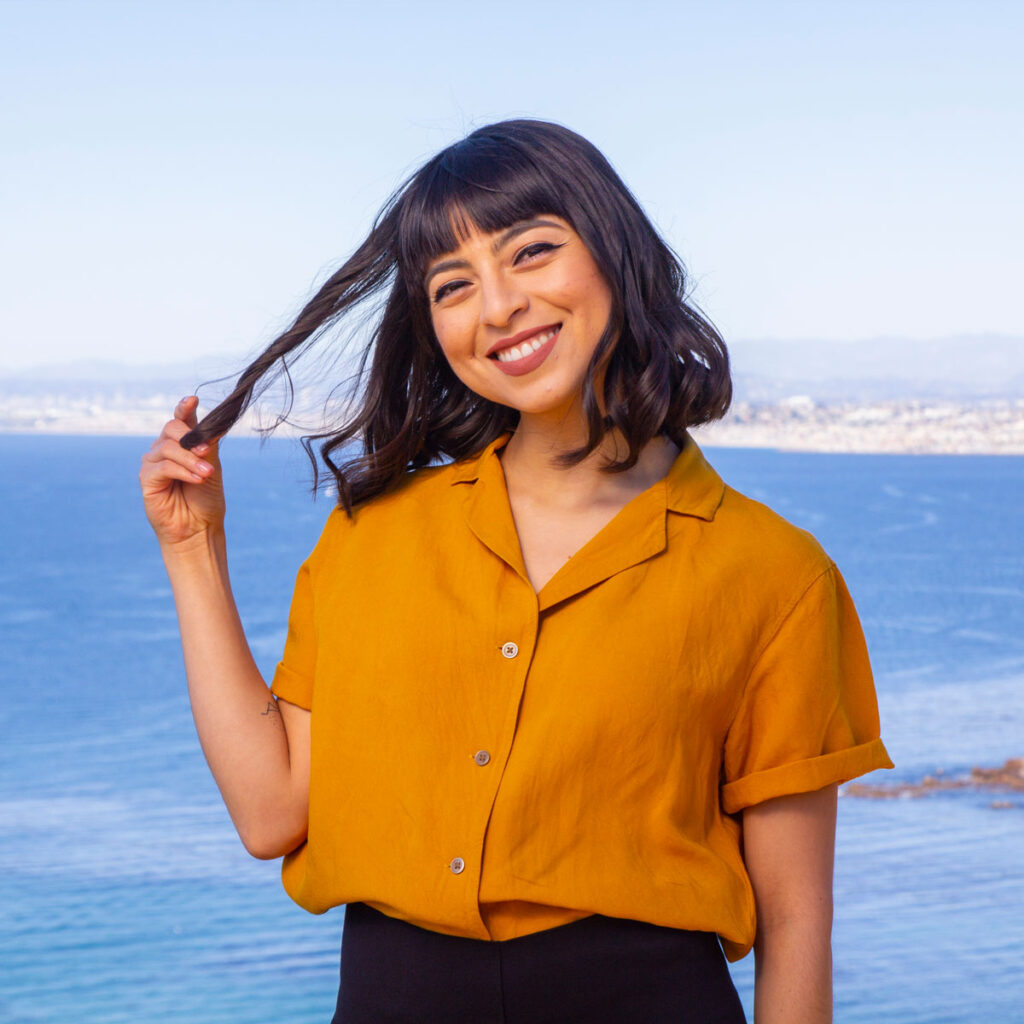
[{"x": 668, "y": 368}]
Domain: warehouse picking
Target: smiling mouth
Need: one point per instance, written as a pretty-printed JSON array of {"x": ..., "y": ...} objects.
[{"x": 514, "y": 353}]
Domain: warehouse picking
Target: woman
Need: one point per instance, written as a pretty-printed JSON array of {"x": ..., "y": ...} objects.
[{"x": 557, "y": 709}]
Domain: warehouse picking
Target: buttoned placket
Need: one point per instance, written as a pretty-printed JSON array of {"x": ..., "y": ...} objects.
[
  {"x": 511, "y": 658},
  {"x": 505, "y": 674}
]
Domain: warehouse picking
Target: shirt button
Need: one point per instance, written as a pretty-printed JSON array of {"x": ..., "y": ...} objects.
[
  {"x": 510, "y": 650},
  {"x": 457, "y": 865},
  {"x": 481, "y": 757}
]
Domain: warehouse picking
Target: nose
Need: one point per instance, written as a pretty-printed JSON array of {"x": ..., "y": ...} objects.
[{"x": 500, "y": 299}]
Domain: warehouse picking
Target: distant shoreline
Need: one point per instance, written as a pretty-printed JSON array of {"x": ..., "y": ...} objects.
[
  {"x": 916, "y": 427},
  {"x": 908, "y": 427}
]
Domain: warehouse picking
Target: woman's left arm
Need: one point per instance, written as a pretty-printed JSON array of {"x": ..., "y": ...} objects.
[{"x": 788, "y": 847}]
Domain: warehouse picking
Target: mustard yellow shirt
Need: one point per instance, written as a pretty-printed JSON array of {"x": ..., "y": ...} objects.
[{"x": 488, "y": 761}]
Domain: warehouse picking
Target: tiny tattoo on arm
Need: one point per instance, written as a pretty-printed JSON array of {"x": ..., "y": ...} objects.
[{"x": 272, "y": 709}]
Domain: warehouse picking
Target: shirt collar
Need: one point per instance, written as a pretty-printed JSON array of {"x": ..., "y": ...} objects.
[
  {"x": 692, "y": 487},
  {"x": 469, "y": 469},
  {"x": 638, "y": 532}
]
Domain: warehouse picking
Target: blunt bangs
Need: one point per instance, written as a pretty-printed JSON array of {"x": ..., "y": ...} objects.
[{"x": 485, "y": 182}]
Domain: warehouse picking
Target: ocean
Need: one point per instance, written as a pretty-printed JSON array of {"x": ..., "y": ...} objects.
[{"x": 125, "y": 895}]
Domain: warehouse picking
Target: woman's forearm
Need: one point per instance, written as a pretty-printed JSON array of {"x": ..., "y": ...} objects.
[
  {"x": 239, "y": 723},
  {"x": 788, "y": 847},
  {"x": 793, "y": 974}
]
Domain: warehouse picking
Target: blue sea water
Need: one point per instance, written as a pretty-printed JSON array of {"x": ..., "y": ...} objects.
[{"x": 125, "y": 896}]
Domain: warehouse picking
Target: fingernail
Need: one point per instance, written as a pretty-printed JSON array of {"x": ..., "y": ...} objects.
[
  {"x": 201, "y": 449},
  {"x": 204, "y": 467}
]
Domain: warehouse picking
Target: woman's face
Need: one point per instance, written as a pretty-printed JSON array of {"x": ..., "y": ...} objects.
[{"x": 518, "y": 313}]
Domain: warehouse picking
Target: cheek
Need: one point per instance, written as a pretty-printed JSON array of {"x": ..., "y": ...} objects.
[
  {"x": 450, "y": 337},
  {"x": 585, "y": 291},
  {"x": 457, "y": 343}
]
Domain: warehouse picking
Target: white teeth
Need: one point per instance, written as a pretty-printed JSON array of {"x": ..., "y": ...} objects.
[{"x": 511, "y": 355}]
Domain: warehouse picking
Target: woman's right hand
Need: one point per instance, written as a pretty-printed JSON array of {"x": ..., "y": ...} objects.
[
  {"x": 182, "y": 490},
  {"x": 261, "y": 768}
]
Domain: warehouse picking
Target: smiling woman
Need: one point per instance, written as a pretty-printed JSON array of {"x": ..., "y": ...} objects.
[
  {"x": 538, "y": 271},
  {"x": 562, "y": 715}
]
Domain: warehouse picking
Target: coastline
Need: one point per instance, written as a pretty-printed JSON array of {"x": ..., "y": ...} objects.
[
  {"x": 905, "y": 427},
  {"x": 797, "y": 423}
]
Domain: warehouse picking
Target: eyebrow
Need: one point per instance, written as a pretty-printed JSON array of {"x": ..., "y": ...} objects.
[{"x": 506, "y": 236}]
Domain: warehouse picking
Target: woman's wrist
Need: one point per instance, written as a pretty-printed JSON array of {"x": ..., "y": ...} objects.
[{"x": 202, "y": 554}]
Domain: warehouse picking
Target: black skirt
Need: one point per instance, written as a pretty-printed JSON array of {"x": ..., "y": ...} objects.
[{"x": 598, "y": 970}]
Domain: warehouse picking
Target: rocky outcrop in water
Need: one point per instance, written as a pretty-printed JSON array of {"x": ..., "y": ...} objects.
[{"x": 1009, "y": 776}]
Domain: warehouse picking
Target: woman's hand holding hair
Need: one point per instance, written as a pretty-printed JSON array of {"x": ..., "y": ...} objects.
[
  {"x": 257, "y": 747},
  {"x": 182, "y": 490}
]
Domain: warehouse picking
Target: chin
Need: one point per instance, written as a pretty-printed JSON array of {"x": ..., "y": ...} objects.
[{"x": 563, "y": 408}]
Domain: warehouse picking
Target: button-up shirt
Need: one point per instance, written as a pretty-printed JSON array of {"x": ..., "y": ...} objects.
[{"x": 489, "y": 761}]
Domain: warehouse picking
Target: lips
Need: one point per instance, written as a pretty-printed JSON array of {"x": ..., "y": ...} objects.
[{"x": 525, "y": 351}]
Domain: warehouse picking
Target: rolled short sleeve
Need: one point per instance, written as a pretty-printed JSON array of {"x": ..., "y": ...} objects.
[
  {"x": 808, "y": 717},
  {"x": 293, "y": 678}
]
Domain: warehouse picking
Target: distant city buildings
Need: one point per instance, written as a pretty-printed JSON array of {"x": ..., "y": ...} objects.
[
  {"x": 920, "y": 426},
  {"x": 797, "y": 423}
]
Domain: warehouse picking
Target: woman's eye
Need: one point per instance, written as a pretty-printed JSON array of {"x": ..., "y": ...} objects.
[
  {"x": 448, "y": 288},
  {"x": 535, "y": 249}
]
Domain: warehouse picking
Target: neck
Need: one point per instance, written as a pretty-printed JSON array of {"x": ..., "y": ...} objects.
[{"x": 531, "y": 466}]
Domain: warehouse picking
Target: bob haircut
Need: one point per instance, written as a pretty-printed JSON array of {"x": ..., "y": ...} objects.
[{"x": 667, "y": 366}]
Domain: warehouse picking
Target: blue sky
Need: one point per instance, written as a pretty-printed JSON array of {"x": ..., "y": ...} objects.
[{"x": 178, "y": 175}]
